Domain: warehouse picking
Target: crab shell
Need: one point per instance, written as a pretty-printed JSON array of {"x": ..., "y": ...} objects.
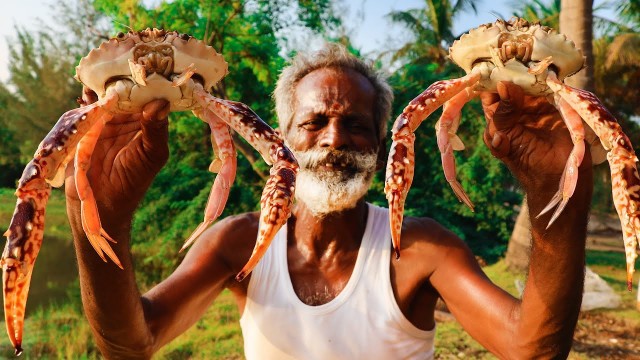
[
  {"x": 481, "y": 46},
  {"x": 110, "y": 62}
]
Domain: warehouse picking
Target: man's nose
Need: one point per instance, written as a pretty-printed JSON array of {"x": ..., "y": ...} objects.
[{"x": 335, "y": 136}]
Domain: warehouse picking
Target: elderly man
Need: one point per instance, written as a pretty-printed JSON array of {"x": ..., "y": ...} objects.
[{"x": 327, "y": 288}]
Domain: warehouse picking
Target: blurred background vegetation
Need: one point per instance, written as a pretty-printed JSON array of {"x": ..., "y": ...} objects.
[{"x": 255, "y": 37}]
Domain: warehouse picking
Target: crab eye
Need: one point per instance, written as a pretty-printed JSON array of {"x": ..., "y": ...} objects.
[
  {"x": 185, "y": 37},
  {"x": 120, "y": 35}
]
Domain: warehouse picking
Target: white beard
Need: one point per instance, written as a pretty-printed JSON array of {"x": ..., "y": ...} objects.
[{"x": 324, "y": 192}]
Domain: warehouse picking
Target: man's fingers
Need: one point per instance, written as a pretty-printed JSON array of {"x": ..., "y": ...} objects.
[
  {"x": 502, "y": 111},
  {"x": 498, "y": 144},
  {"x": 155, "y": 131},
  {"x": 511, "y": 101}
]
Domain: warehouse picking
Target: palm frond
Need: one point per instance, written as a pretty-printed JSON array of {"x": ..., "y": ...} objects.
[{"x": 624, "y": 50}]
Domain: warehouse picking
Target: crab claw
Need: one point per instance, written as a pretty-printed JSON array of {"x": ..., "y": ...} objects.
[
  {"x": 277, "y": 196},
  {"x": 398, "y": 181},
  {"x": 569, "y": 178},
  {"x": 24, "y": 239},
  {"x": 275, "y": 207},
  {"x": 401, "y": 162},
  {"x": 91, "y": 224},
  {"x": 225, "y": 165},
  {"x": 217, "y": 198},
  {"x": 625, "y": 180},
  {"x": 24, "y": 236}
]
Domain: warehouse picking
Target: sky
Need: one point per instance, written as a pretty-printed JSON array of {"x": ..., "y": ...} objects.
[{"x": 373, "y": 33}]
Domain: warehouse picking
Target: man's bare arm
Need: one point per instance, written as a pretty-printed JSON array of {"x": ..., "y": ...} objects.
[
  {"x": 542, "y": 323},
  {"x": 127, "y": 325}
]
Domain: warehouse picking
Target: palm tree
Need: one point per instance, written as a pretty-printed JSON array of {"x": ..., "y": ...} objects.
[
  {"x": 539, "y": 10},
  {"x": 432, "y": 27},
  {"x": 576, "y": 21},
  {"x": 617, "y": 56}
]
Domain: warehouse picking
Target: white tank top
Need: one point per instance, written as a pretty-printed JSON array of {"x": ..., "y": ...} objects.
[{"x": 362, "y": 322}]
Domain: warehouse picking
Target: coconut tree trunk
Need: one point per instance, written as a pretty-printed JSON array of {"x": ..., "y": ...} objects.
[
  {"x": 519, "y": 248},
  {"x": 576, "y": 21}
]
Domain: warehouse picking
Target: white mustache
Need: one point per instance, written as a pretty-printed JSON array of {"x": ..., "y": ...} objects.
[{"x": 359, "y": 161}]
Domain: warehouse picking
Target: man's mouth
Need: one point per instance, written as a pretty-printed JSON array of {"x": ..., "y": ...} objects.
[{"x": 335, "y": 166}]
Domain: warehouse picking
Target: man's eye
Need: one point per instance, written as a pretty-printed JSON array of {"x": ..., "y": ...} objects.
[
  {"x": 360, "y": 127},
  {"x": 312, "y": 125}
]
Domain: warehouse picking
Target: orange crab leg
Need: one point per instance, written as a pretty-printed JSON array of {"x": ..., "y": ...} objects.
[
  {"x": 569, "y": 178},
  {"x": 25, "y": 233},
  {"x": 277, "y": 196},
  {"x": 622, "y": 161},
  {"x": 96, "y": 235},
  {"x": 448, "y": 141},
  {"x": 225, "y": 165},
  {"x": 401, "y": 162}
]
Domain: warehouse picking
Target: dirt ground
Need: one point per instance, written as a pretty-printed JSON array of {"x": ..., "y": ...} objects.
[{"x": 601, "y": 336}]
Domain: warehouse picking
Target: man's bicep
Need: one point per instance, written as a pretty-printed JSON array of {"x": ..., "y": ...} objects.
[{"x": 179, "y": 301}]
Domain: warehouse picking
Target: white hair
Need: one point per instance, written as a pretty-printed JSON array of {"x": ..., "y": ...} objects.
[{"x": 331, "y": 56}]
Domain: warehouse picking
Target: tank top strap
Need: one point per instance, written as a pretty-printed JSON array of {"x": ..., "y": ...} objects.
[
  {"x": 269, "y": 277},
  {"x": 376, "y": 244}
]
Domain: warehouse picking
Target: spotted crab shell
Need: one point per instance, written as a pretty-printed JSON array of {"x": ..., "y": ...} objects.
[
  {"x": 110, "y": 61},
  {"x": 476, "y": 47}
]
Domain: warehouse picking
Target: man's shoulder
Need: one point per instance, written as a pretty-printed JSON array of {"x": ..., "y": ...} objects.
[
  {"x": 424, "y": 226},
  {"x": 239, "y": 222},
  {"x": 231, "y": 234},
  {"x": 426, "y": 231}
]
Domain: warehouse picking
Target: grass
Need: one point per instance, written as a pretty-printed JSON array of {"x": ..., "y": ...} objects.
[{"x": 59, "y": 330}]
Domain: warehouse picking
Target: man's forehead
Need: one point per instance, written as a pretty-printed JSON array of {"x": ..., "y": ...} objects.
[
  {"x": 336, "y": 88},
  {"x": 336, "y": 80}
]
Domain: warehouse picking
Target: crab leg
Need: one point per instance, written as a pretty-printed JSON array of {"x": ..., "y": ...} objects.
[
  {"x": 448, "y": 141},
  {"x": 225, "y": 165},
  {"x": 89, "y": 209},
  {"x": 277, "y": 196},
  {"x": 569, "y": 178},
  {"x": 401, "y": 162},
  {"x": 622, "y": 161},
  {"x": 24, "y": 236}
]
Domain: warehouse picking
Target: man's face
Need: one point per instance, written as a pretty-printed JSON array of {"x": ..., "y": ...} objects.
[{"x": 334, "y": 138}]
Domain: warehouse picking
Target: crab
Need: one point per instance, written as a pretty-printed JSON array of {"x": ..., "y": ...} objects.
[
  {"x": 538, "y": 59},
  {"x": 120, "y": 77}
]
